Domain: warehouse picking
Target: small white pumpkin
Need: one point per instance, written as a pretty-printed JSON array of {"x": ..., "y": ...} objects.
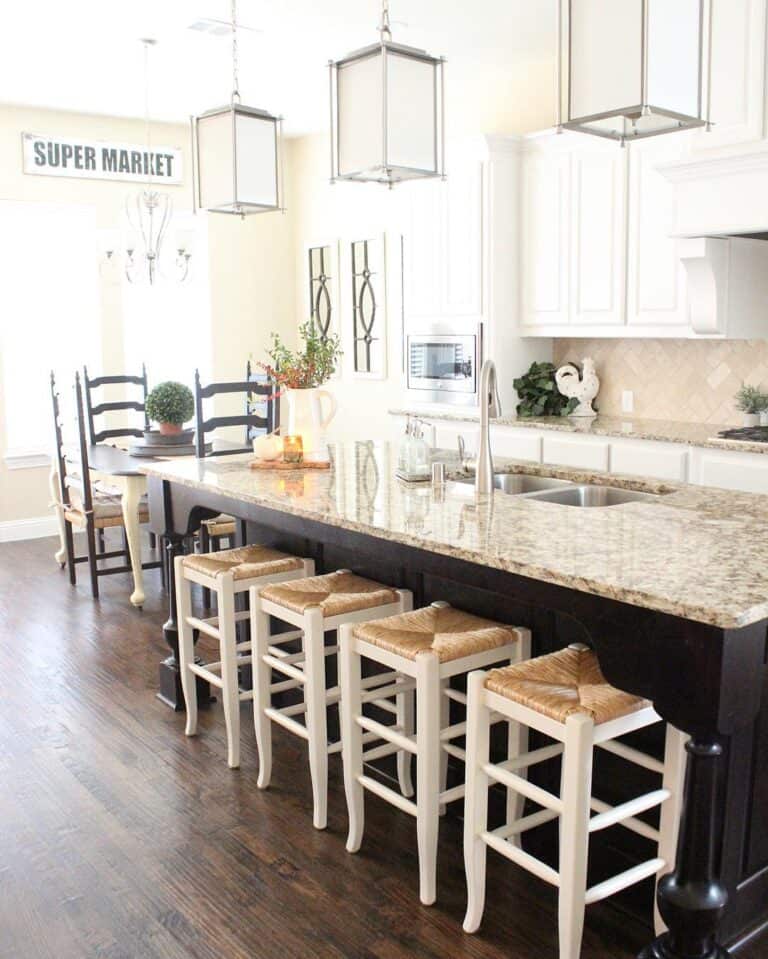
[{"x": 268, "y": 447}]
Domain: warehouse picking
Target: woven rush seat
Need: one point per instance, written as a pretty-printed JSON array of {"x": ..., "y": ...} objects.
[
  {"x": 244, "y": 562},
  {"x": 451, "y": 633},
  {"x": 563, "y": 684},
  {"x": 107, "y": 511},
  {"x": 334, "y": 593},
  {"x": 221, "y": 525}
]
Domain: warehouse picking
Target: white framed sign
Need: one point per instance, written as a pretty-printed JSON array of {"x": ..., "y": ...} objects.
[{"x": 46, "y": 155}]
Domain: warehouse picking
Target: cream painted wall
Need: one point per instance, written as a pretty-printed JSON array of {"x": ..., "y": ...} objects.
[{"x": 251, "y": 266}]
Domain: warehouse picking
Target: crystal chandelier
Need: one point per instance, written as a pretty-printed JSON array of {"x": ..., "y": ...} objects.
[
  {"x": 387, "y": 112},
  {"x": 239, "y": 153},
  {"x": 149, "y": 214}
]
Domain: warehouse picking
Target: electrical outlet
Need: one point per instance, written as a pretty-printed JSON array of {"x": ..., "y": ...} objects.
[{"x": 627, "y": 401}]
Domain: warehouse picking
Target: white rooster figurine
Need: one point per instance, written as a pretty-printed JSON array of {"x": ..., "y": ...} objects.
[{"x": 583, "y": 388}]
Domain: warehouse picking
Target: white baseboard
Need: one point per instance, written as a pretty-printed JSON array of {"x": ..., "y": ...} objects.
[{"x": 34, "y": 528}]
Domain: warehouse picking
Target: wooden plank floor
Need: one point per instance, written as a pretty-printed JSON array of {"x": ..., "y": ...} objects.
[{"x": 122, "y": 839}]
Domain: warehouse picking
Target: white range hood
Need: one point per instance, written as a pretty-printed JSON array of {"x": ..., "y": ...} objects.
[{"x": 722, "y": 220}]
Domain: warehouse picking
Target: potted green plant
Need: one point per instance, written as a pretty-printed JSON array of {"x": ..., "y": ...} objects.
[
  {"x": 299, "y": 374},
  {"x": 751, "y": 401},
  {"x": 170, "y": 405},
  {"x": 538, "y": 393}
]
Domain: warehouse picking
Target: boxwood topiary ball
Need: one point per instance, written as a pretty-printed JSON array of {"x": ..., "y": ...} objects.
[{"x": 170, "y": 402}]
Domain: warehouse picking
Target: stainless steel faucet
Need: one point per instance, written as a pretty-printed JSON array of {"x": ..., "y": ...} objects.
[{"x": 490, "y": 405}]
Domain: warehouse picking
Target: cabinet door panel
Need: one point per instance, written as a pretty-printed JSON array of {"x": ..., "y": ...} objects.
[
  {"x": 462, "y": 280},
  {"x": 545, "y": 239},
  {"x": 581, "y": 453},
  {"x": 645, "y": 458},
  {"x": 738, "y": 84},
  {"x": 517, "y": 444},
  {"x": 656, "y": 290},
  {"x": 738, "y": 471},
  {"x": 599, "y": 218},
  {"x": 421, "y": 252}
]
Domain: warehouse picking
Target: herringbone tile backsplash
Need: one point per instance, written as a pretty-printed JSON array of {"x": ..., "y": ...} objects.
[{"x": 688, "y": 380}]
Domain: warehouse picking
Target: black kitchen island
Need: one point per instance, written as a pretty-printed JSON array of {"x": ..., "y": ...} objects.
[{"x": 671, "y": 593}]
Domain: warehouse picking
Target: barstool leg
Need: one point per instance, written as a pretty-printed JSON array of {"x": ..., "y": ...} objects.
[
  {"x": 351, "y": 705},
  {"x": 262, "y": 680},
  {"x": 427, "y": 771},
  {"x": 576, "y": 792},
  {"x": 445, "y": 720},
  {"x": 315, "y": 696},
  {"x": 186, "y": 645},
  {"x": 476, "y": 799},
  {"x": 517, "y": 741},
  {"x": 675, "y": 759},
  {"x": 406, "y": 719},
  {"x": 230, "y": 692}
]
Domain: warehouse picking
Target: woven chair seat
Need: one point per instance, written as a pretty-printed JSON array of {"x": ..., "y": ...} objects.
[
  {"x": 563, "y": 684},
  {"x": 221, "y": 525},
  {"x": 449, "y": 632},
  {"x": 107, "y": 509},
  {"x": 244, "y": 562},
  {"x": 334, "y": 593}
]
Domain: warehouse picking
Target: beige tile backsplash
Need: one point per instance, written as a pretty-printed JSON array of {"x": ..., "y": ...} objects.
[{"x": 689, "y": 380}]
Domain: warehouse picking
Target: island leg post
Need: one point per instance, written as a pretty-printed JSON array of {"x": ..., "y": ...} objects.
[
  {"x": 691, "y": 899},
  {"x": 170, "y": 679}
]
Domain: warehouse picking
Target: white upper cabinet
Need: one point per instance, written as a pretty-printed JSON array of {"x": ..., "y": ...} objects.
[
  {"x": 656, "y": 281},
  {"x": 443, "y": 245},
  {"x": 737, "y": 74},
  {"x": 598, "y": 263},
  {"x": 545, "y": 238}
]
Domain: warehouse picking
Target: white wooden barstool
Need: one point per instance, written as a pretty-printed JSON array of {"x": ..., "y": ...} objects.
[
  {"x": 226, "y": 573},
  {"x": 316, "y": 605},
  {"x": 565, "y": 697},
  {"x": 425, "y": 648}
]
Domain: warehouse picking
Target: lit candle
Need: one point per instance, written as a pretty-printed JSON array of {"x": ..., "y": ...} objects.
[{"x": 293, "y": 450}]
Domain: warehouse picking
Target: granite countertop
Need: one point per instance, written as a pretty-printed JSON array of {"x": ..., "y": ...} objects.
[
  {"x": 666, "y": 431},
  {"x": 695, "y": 552}
]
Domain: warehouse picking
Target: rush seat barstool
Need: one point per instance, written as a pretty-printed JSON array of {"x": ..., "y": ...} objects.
[
  {"x": 424, "y": 649},
  {"x": 226, "y": 573},
  {"x": 316, "y": 606},
  {"x": 564, "y": 696}
]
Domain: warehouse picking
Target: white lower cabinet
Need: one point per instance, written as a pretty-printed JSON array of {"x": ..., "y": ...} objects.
[
  {"x": 579, "y": 452},
  {"x": 730, "y": 470},
  {"x": 666, "y": 461},
  {"x": 522, "y": 444}
]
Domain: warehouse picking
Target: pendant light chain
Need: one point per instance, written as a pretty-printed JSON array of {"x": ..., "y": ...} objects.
[
  {"x": 384, "y": 28},
  {"x": 147, "y": 124},
  {"x": 235, "y": 61}
]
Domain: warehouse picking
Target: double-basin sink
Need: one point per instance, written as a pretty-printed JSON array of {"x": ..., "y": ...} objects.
[{"x": 546, "y": 489}]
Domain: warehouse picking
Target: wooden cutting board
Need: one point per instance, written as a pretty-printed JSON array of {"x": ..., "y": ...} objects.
[{"x": 282, "y": 465}]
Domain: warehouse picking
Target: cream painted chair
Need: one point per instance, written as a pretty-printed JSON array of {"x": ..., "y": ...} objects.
[
  {"x": 565, "y": 697},
  {"x": 424, "y": 650},
  {"x": 226, "y": 573},
  {"x": 316, "y": 606}
]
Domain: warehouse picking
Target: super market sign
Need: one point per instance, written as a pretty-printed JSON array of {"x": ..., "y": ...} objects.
[{"x": 99, "y": 160}]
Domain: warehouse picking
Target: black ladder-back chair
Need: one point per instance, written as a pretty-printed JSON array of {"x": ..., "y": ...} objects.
[
  {"x": 85, "y": 517},
  {"x": 110, "y": 406},
  {"x": 253, "y": 387}
]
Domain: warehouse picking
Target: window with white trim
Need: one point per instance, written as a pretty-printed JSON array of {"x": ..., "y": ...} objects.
[{"x": 50, "y": 304}]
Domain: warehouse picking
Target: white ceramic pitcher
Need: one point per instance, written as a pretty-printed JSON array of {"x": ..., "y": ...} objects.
[{"x": 305, "y": 419}]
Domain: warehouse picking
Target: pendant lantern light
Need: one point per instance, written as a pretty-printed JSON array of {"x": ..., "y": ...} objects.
[
  {"x": 387, "y": 112},
  {"x": 238, "y": 153},
  {"x": 634, "y": 67}
]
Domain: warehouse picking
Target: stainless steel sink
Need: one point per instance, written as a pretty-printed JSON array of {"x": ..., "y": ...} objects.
[
  {"x": 519, "y": 484},
  {"x": 593, "y": 496}
]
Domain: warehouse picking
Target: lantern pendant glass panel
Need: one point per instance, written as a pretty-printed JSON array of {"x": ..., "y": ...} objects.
[
  {"x": 634, "y": 67},
  {"x": 387, "y": 105},
  {"x": 238, "y": 160}
]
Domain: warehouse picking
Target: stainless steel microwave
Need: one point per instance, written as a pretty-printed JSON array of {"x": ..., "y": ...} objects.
[{"x": 442, "y": 366}]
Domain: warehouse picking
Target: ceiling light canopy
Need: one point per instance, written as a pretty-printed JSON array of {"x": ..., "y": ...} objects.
[
  {"x": 634, "y": 67},
  {"x": 238, "y": 153},
  {"x": 387, "y": 112}
]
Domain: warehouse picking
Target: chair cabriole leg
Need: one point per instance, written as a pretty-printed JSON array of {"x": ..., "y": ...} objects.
[{"x": 186, "y": 645}]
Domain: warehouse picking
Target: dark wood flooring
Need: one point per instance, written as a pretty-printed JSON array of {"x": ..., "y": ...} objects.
[{"x": 122, "y": 839}]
